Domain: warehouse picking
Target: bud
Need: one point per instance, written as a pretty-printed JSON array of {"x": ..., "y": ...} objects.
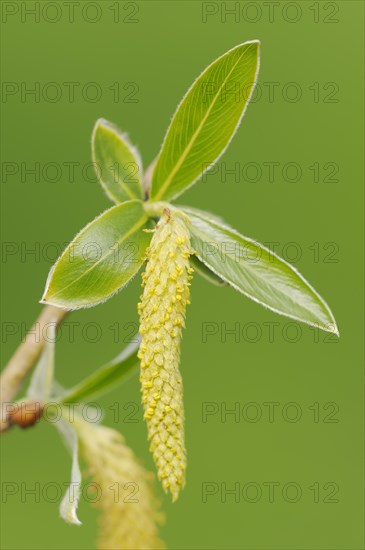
[
  {"x": 162, "y": 317},
  {"x": 25, "y": 414}
]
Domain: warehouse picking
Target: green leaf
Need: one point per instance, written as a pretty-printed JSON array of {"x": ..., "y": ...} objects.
[
  {"x": 104, "y": 378},
  {"x": 205, "y": 121},
  {"x": 257, "y": 272},
  {"x": 101, "y": 259},
  {"x": 205, "y": 272},
  {"x": 118, "y": 164}
]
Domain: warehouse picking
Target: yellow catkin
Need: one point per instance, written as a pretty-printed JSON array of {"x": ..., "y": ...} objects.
[
  {"x": 162, "y": 317},
  {"x": 128, "y": 508}
]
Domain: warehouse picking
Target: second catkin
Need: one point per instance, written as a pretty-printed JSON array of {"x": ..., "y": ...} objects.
[{"x": 166, "y": 283}]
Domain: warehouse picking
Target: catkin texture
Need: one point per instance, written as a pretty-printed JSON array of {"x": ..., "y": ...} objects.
[
  {"x": 129, "y": 510},
  {"x": 162, "y": 308}
]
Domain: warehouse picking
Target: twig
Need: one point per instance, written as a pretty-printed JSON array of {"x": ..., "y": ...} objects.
[{"x": 25, "y": 357}]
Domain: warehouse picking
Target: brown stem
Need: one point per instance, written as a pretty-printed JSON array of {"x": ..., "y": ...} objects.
[{"x": 25, "y": 357}]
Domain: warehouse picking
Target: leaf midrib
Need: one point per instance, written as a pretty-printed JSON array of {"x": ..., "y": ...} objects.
[
  {"x": 132, "y": 230},
  {"x": 124, "y": 186},
  {"x": 196, "y": 133},
  {"x": 257, "y": 274}
]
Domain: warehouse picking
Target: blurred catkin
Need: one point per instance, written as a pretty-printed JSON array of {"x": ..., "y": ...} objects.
[
  {"x": 129, "y": 511},
  {"x": 162, "y": 317}
]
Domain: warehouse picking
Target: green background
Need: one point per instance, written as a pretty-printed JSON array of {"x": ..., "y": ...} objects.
[{"x": 162, "y": 53}]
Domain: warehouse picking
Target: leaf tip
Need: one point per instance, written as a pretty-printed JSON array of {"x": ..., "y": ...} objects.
[
  {"x": 256, "y": 42},
  {"x": 330, "y": 327},
  {"x": 99, "y": 125},
  {"x": 334, "y": 328},
  {"x": 71, "y": 518},
  {"x": 101, "y": 122}
]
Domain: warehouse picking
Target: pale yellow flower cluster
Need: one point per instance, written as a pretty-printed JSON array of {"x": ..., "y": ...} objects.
[
  {"x": 162, "y": 317},
  {"x": 129, "y": 510}
]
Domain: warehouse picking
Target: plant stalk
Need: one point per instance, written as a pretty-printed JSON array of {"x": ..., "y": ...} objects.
[{"x": 25, "y": 357}]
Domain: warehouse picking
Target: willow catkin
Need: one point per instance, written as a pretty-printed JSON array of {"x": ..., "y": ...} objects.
[
  {"x": 128, "y": 508},
  {"x": 162, "y": 316}
]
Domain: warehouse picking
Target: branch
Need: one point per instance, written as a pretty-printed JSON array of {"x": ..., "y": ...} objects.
[{"x": 25, "y": 357}]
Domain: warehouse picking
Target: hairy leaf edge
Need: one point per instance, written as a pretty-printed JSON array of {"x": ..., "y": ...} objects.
[
  {"x": 332, "y": 329},
  {"x": 209, "y": 276},
  {"x": 256, "y": 41},
  {"x": 92, "y": 304},
  {"x": 113, "y": 128}
]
